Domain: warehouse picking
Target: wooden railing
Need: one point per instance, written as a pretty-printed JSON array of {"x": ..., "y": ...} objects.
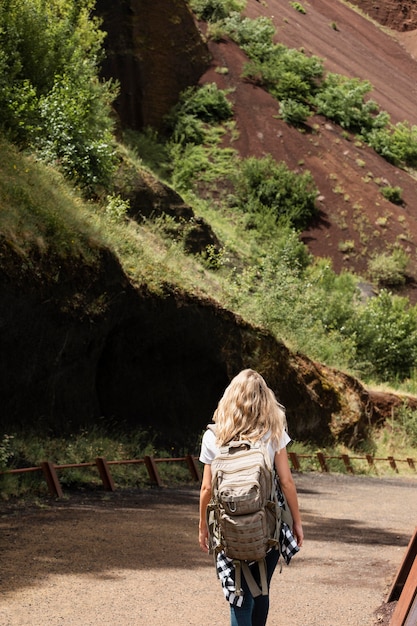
[
  {"x": 346, "y": 459},
  {"x": 50, "y": 470}
]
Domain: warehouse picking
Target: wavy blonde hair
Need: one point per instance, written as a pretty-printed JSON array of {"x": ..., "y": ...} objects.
[{"x": 249, "y": 410}]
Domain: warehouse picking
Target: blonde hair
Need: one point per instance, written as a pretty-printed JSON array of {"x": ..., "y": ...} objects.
[{"x": 249, "y": 410}]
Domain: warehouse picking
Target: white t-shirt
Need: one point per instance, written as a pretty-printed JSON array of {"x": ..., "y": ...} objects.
[{"x": 209, "y": 448}]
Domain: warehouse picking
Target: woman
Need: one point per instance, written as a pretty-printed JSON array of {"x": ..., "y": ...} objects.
[{"x": 248, "y": 410}]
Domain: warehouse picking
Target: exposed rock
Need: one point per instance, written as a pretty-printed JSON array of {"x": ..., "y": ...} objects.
[
  {"x": 147, "y": 196},
  {"x": 150, "y": 198},
  {"x": 155, "y": 51},
  {"x": 399, "y": 15},
  {"x": 82, "y": 346}
]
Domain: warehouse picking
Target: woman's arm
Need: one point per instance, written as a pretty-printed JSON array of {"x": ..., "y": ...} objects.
[
  {"x": 290, "y": 492},
  {"x": 205, "y": 495}
]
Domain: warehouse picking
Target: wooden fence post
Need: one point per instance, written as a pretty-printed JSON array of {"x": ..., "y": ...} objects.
[
  {"x": 322, "y": 461},
  {"x": 393, "y": 463},
  {"x": 346, "y": 461},
  {"x": 105, "y": 475},
  {"x": 193, "y": 467},
  {"x": 411, "y": 463},
  {"x": 51, "y": 478},
  {"x": 152, "y": 471},
  {"x": 295, "y": 462}
]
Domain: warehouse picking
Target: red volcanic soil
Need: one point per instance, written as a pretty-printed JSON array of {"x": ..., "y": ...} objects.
[{"x": 348, "y": 175}]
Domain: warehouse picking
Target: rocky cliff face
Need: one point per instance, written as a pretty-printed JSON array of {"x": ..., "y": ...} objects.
[
  {"x": 82, "y": 346},
  {"x": 155, "y": 51},
  {"x": 398, "y": 15}
]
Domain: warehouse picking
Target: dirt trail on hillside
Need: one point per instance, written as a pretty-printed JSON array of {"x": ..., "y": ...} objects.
[{"x": 132, "y": 558}]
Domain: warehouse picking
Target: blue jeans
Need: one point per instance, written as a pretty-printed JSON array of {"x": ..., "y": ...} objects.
[{"x": 254, "y": 611}]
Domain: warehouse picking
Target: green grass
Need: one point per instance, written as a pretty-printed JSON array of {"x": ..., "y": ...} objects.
[
  {"x": 40, "y": 212},
  {"x": 84, "y": 447},
  {"x": 29, "y": 450}
]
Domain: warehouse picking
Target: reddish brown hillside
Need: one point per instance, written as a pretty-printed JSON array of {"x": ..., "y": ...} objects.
[
  {"x": 400, "y": 15},
  {"x": 348, "y": 176}
]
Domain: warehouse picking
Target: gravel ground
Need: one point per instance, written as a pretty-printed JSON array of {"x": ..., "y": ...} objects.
[{"x": 132, "y": 557}]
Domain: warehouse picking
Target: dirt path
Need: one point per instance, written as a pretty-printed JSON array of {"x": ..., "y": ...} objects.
[{"x": 132, "y": 558}]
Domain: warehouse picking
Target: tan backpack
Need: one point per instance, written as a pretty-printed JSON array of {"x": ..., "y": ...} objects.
[{"x": 243, "y": 516}]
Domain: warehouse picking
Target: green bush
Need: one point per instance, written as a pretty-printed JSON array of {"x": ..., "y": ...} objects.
[
  {"x": 389, "y": 269},
  {"x": 255, "y": 37},
  {"x": 195, "y": 128},
  {"x": 407, "y": 418},
  {"x": 393, "y": 194},
  {"x": 196, "y": 107},
  {"x": 386, "y": 336},
  {"x": 50, "y": 96},
  {"x": 263, "y": 185},
  {"x": 215, "y": 10},
  {"x": 294, "y": 112},
  {"x": 285, "y": 73},
  {"x": 76, "y": 131},
  {"x": 397, "y": 144},
  {"x": 342, "y": 100},
  {"x": 298, "y": 7}
]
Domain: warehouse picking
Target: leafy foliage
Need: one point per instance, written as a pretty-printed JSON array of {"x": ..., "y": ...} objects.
[
  {"x": 386, "y": 336},
  {"x": 393, "y": 194},
  {"x": 50, "y": 96},
  {"x": 255, "y": 37},
  {"x": 298, "y": 7},
  {"x": 195, "y": 128},
  {"x": 407, "y": 419},
  {"x": 342, "y": 100},
  {"x": 389, "y": 268},
  {"x": 215, "y": 10},
  {"x": 263, "y": 186},
  {"x": 286, "y": 73},
  {"x": 293, "y": 112},
  {"x": 397, "y": 144}
]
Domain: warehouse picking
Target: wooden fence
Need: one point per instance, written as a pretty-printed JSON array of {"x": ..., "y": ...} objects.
[{"x": 50, "y": 470}]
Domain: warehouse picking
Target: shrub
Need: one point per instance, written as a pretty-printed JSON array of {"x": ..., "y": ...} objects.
[
  {"x": 386, "y": 336},
  {"x": 407, "y": 418},
  {"x": 294, "y": 112},
  {"x": 298, "y": 7},
  {"x": 76, "y": 131},
  {"x": 286, "y": 73},
  {"x": 215, "y": 10},
  {"x": 341, "y": 99},
  {"x": 393, "y": 194},
  {"x": 255, "y": 37},
  {"x": 389, "y": 269},
  {"x": 50, "y": 95},
  {"x": 196, "y": 107},
  {"x": 397, "y": 144},
  {"x": 263, "y": 185}
]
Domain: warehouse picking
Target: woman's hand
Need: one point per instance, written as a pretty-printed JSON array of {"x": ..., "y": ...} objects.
[
  {"x": 297, "y": 531},
  {"x": 203, "y": 538},
  {"x": 290, "y": 492}
]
